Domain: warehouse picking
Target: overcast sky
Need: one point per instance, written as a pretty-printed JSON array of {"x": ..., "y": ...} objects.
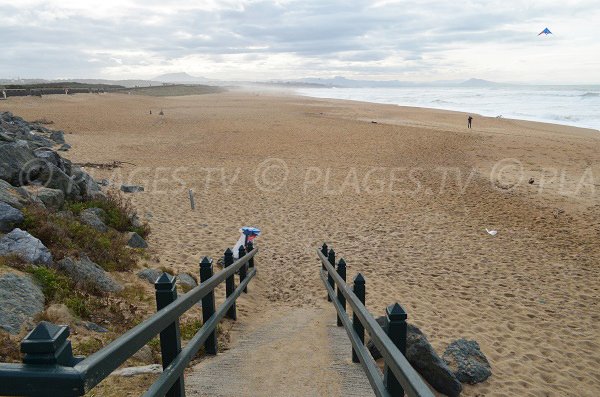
[{"x": 419, "y": 40}]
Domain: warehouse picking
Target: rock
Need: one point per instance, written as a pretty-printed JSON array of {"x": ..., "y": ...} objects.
[
  {"x": 86, "y": 184},
  {"x": 64, "y": 147},
  {"x": 467, "y": 362},
  {"x": 150, "y": 275},
  {"x": 144, "y": 354},
  {"x": 58, "y": 137},
  {"x": 135, "y": 221},
  {"x": 17, "y": 157},
  {"x": 58, "y": 313},
  {"x": 90, "y": 217},
  {"x": 10, "y": 217},
  {"x": 132, "y": 371},
  {"x": 421, "y": 355},
  {"x": 53, "y": 177},
  {"x": 84, "y": 271},
  {"x": 20, "y": 300},
  {"x": 50, "y": 156},
  {"x": 103, "y": 182},
  {"x": 52, "y": 198},
  {"x": 132, "y": 188},
  {"x": 134, "y": 240},
  {"x": 13, "y": 196},
  {"x": 187, "y": 280},
  {"x": 95, "y": 327},
  {"x": 30, "y": 249}
]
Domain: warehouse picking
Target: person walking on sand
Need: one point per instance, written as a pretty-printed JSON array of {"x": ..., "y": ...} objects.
[{"x": 469, "y": 121}]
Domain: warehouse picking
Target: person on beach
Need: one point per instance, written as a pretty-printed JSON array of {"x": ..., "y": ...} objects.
[{"x": 469, "y": 121}]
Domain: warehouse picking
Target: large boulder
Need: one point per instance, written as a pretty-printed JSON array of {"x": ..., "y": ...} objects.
[
  {"x": 134, "y": 240},
  {"x": 20, "y": 300},
  {"x": 52, "y": 157},
  {"x": 423, "y": 358},
  {"x": 465, "y": 359},
  {"x": 91, "y": 217},
  {"x": 87, "y": 186},
  {"x": 58, "y": 137},
  {"x": 15, "y": 197},
  {"x": 150, "y": 275},
  {"x": 53, "y": 177},
  {"x": 51, "y": 198},
  {"x": 17, "y": 157},
  {"x": 187, "y": 280},
  {"x": 24, "y": 245},
  {"x": 10, "y": 217},
  {"x": 88, "y": 274}
]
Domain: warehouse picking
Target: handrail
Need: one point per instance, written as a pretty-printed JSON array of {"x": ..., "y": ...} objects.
[
  {"x": 397, "y": 363},
  {"x": 75, "y": 380},
  {"x": 100, "y": 364}
]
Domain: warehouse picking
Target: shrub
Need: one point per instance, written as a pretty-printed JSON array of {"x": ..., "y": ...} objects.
[
  {"x": 65, "y": 236},
  {"x": 54, "y": 285},
  {"x": 190, "y": 328}
]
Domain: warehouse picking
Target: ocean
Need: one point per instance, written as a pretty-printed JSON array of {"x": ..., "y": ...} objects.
[{"x": 577, "y": 106}]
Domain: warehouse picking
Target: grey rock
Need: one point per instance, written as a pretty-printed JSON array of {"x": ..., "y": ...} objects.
[
  {"x": 13, "y": 196},
  {"x": 423, "y": 358},
  {"x": 86, "y": 184},
  {"x": 20, "y": 300},
  {"x": 103, "y": 182},
  {"x": 150, "y": 275},
  {"x": 135, "y": 221},
  {"x": 187, "y": 280},
  {"x": 64, "y": 147},
  {"x": 30, "y": 249},
  {"x": 132, "y": 188},
  {"x": 144, "y": 354},
  {"x": 134, "y": 240},
  {"x": 84, "y": 271},
  {"x": 10, "y": 217},
  {"x": 466, "y": 360},
  {"x": 50, "y": 156},
  {"x": 95, "y": 327},
  {"x": 90, "y": 217},
  {"x": 16, "y": 158},
  {"x": 52, "y": 198},
  {"x": 58, "y": 137},
  {"x": 53, "y": 177}
]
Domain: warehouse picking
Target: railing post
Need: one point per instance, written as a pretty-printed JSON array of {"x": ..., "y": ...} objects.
[
  {"x": 396, "y": 330},
  {"x": 170, "y": 337},
  {"x": 48, "y": 344},
  {"x": 324, "y": 251},
  {"x": 359, "y": 290},
  {"x": 229, "y": 283},
  {"x": 244, "y": 267},
  {"x": 249, "y": 248},
  {"x": 208, "y": 304},
  {"x": 331, "y": 259},
  {"x": 341, "y": 270}
]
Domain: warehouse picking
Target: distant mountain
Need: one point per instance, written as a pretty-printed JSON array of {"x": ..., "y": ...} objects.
[
  {"x": 343, "y": 82},
  {"x": 179, "y": 78},
  {"x": 479, "y": 83}
]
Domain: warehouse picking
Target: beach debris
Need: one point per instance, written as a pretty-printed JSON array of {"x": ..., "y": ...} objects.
[
  {"x": 491, "y": 232},
  {"x": 467, "y": 362},
  {"x": 249, "y": 233},
  {"x": 557, "y": 212},
  {"x": 531, "y": 181},
  {"x": 192, "y": 201},
  {"x": 132, "y": 188},
  {"x": 161, "y": 113},
  {"x": 104, "y": 166},
  {"x": 373, "y": 122},
  {"x": 546, "y": 32},
  {"x": 421, "y": 355}
]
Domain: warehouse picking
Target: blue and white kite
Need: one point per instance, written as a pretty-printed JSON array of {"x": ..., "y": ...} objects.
[{"x": 546, "y": 31}]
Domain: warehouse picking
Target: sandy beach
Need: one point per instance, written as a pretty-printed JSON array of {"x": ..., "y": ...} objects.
[{"x": 404, "y": 195}]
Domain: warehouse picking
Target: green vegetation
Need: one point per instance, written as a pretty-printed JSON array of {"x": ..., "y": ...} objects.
[
  {"x": 65, "y": 84},
  {"x": 190, "y": 328},
  {"x": 174, "y": 90},
  {"x": 56, "y": 287}
]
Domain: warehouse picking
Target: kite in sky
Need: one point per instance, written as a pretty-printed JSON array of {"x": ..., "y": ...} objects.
[{"x": 546, "y": 31}]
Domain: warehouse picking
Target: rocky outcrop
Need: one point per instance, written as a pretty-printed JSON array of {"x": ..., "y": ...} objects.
[
  {"x": 88, "y": 274},
  {"x": 10, "y": 217},
  {"x": 423, "y": 358},
  {"x": 25, "y": 246},
  {"x": 20, "y": 300},
  {"x": 465, "y": 359},
  {"x": 51, "y": 198},
  {"x": 134, "y": 240},
  {"x": 16, "y": 158},
  {"x": 92, "y": 217},
  {"x": 13, "y": 196}
]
